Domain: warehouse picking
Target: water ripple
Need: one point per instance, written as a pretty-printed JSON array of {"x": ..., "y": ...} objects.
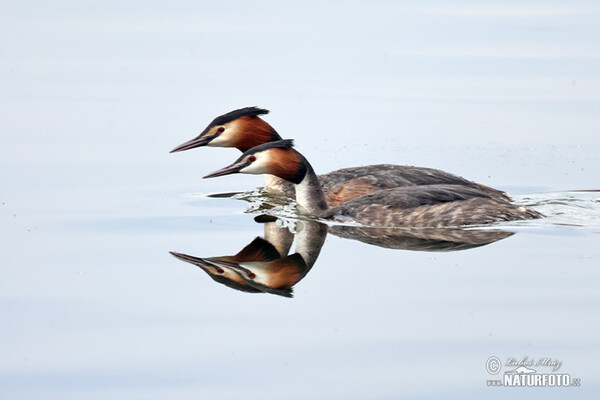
[{"x": 577, "y": 208}]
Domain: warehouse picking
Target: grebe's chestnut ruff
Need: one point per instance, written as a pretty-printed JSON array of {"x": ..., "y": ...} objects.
[
  {"x": 244, "y": 129},
  {"x": 435, "y": 205}
]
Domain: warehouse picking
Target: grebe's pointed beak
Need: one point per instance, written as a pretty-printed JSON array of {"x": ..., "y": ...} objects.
[
  {"x": 192, "y": 144},
  {"x": 231, "y": 169}
]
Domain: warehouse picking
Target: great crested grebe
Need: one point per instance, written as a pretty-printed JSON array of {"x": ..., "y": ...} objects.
[
  {"x": 415, "y": 206},
  {"x": 244, "y": 129}
]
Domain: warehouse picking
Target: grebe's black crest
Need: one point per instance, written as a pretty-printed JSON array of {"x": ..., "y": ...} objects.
[{"x": 235, "y": 114}]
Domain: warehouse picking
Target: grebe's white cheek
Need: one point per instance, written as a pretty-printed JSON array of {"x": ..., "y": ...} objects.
[
  {"x": 223, "y": 140},
  {"x": 257, "y": 167}
]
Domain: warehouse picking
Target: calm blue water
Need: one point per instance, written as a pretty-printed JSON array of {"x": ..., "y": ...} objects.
[{"x": 95, "y": 94}]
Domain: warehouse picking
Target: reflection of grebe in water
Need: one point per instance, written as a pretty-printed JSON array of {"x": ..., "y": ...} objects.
[
  {"x": 261, "y": 266},
  {"x": 244, "y": 129},
  {"x": 438, "y": 205},
  {"x": 421, "y": 239}
]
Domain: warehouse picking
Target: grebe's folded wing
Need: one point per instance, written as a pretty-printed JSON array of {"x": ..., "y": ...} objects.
[
  {"x": 409, "y": 197},
  {"x": 429, "y": 206},
  {"x": 388, "y": 176}
]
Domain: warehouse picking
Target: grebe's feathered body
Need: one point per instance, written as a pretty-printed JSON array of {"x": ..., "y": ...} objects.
[
  {"x": 434, "y": 205},
  {"x": 244, "y": 129}
]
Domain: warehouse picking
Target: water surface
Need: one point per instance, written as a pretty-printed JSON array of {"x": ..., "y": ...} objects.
[{"x": 94, "y": 95}]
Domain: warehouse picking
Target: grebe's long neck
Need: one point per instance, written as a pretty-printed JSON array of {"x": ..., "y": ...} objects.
[
  {"x": 309, "y": 194},
  {"x": 310, "y": 237}
]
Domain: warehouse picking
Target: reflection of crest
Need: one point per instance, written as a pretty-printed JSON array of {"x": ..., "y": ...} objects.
[
  {"x": 521, "y": 370},
  {"x": 258, "y": 250},
  {"x": 262, "y": 266}
]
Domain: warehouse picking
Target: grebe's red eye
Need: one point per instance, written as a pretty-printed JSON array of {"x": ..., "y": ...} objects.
[
  {"x": 251, "y": 158},
  {"x": 221, "y": 129}
]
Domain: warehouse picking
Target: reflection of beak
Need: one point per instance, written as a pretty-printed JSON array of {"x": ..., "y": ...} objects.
[
  {"x": 191, "y": 144},
  {"x": 197, "y": 261},
  {"x": 231, "y": 169}
]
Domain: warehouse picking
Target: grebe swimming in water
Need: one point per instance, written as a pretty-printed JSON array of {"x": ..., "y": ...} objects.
[
  {"x": 435, "y": 205},
  {"x": 244, "y": 129}
]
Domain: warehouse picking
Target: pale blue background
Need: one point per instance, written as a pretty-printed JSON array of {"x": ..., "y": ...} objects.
[{"x": 93, "y": 96}]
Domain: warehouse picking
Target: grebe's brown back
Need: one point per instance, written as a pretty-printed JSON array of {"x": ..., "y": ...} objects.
[
  {"x": 244, "y": 129},
  {"x": 423, "y": 206}
]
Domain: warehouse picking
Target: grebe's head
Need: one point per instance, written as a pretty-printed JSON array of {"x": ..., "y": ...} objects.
[
  {"x": 275, "y": 158},
  {"x": 241, "y": 128}
]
